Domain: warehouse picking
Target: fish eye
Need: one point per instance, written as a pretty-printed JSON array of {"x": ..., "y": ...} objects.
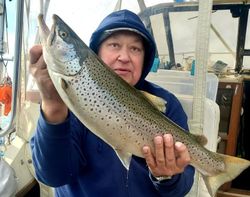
[{"x": 63, "y": 34}]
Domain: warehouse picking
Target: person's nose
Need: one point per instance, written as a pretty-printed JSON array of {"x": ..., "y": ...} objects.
[{"x": 124, "y": 55}]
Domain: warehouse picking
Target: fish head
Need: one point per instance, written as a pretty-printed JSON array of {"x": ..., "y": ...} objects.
[{"x": 61, "y": 47}]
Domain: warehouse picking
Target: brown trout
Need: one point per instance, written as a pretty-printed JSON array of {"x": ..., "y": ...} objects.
[{"x": 118, "y": 113}]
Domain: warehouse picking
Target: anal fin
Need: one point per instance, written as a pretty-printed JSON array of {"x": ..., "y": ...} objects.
[{"x": 124, "y": 157}]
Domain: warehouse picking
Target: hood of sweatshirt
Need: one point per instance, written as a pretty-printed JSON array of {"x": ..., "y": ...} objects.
[{"x": 126, "y": 20}]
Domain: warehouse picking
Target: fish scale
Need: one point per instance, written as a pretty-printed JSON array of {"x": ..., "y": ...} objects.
[{"x": 118, "y": 113}]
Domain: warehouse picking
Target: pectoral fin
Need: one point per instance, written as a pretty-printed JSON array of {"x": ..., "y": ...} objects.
[
  {"x": 124, "y": 157},
  {"x": 64, "y": 84},
  {"x": 158, "y": 102}
]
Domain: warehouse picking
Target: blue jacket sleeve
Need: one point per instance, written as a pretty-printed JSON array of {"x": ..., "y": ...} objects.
[
  {"x": 55, "y": 141},
  {"x": 178, "y": 186}
]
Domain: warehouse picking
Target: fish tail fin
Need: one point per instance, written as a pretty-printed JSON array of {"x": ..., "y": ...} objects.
[{"x": 234, "y": 166}]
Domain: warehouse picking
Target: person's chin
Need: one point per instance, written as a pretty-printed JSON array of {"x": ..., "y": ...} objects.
[{"x": 126, "y": 78}]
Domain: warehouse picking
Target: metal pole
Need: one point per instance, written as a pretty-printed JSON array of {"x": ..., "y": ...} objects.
[
  {"x": 169, "y": 39},
  {"x": 2, "y": 15},
  {"x": 17, "y": 61}
]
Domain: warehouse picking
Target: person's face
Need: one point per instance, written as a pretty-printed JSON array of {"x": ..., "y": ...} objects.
[{"x": 123, "y": 52}]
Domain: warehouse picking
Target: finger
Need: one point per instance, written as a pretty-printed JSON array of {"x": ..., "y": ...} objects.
[
  {"x": 39, "y": 70},
  {"x": 36, "y": 59},
  {"x": 159, "y": 151},
  {"x": 149, "y": 157},
  {"x": 169, "y": 150},
  {"x": 35, "y": 53},
  {"x": 182, "y": 154},
  {"x": 41, "y": 63}
]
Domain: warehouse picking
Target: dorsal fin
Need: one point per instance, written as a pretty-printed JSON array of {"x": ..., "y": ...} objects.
[{"x": 158, "y": 102}]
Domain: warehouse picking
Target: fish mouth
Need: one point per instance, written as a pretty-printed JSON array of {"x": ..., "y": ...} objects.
[
  {"x": 43, "y": 29},
  {"x": 52, "y": 34},
  {"x": 47, "y": 36}
]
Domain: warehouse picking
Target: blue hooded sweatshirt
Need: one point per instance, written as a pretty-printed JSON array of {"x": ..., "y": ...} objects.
[{"x": 77, "y": 163}]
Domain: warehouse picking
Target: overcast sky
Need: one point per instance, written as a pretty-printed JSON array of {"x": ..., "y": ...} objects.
[{"x": 84, "y": 16}]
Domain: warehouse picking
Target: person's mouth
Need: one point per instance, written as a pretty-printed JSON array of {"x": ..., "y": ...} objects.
[{"x": 122, "y": 71}]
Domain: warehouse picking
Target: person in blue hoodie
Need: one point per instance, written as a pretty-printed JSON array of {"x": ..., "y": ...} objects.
[{"x": 70, "y": 158}]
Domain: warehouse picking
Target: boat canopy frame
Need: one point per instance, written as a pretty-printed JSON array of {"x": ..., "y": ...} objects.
[{"x": 239, "y": 10}]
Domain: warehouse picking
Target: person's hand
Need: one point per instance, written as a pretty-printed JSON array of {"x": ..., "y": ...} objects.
[
  {"x": 53, "y": 107},
  {"x": 170, "y": 158}
]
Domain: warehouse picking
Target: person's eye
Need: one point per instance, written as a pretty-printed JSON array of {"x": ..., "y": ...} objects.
[
  {"x": 114, "y": 45},
  {"x": 136, "y": 49}
]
